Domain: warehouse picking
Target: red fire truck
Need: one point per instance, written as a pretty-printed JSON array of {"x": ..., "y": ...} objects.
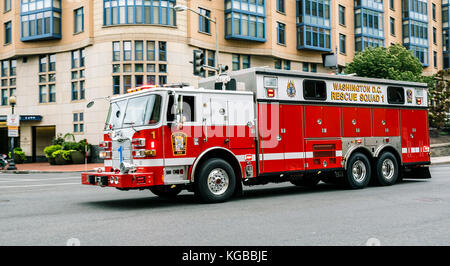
[{"x": 262, "y": 125}]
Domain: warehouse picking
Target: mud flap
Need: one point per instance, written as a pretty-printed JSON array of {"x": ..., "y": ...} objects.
[{"x": 416, "y": 173}]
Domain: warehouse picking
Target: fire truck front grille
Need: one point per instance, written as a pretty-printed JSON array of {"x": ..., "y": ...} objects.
[{"x": 121, "y": 149}]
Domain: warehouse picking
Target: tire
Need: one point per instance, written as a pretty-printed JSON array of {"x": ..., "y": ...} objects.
[
  {"x": 166, "y": 191},
  {"x": 386, "y": 170},
  {"x": 358, "y": 171},
  {"x": 215, "y": 182}
]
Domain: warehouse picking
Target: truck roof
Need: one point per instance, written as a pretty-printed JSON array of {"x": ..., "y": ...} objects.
[{"x": 251, "y": 73}]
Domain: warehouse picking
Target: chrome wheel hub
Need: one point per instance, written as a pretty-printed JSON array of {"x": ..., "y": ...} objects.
[
  {"x": 218, "y": 181},
  {"x": 387, "y": 169},
  {"x": 359, "y": 171}
]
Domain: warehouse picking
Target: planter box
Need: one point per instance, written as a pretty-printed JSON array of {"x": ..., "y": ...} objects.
[
  {"x": 51, "y": 160},
  {"x": 60, "y": 160},
  {"x": 77, "y": 157}
]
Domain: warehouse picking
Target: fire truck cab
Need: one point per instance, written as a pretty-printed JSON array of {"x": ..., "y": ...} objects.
[{"x": 263, "y": 125}]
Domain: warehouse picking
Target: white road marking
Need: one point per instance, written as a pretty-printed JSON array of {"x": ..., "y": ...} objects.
[
  {"x": 37, "y": 180},
  {"x": 42, "y": 185}
]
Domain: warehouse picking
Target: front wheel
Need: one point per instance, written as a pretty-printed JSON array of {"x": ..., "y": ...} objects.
[
  {"x": 215, "y": 182},
  {"x": 358, "y": 171}
]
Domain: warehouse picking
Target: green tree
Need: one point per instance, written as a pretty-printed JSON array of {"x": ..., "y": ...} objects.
[{"x": 395, "y": 62}]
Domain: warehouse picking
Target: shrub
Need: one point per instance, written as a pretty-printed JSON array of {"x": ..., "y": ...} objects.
[
  {"x": 64, "y": 154},
  {"x": 73, "y": 146},
  {"x": 51, "y": 149}
]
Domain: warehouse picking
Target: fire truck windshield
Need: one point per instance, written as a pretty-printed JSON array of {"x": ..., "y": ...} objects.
[{"x": 144, "y": 110}]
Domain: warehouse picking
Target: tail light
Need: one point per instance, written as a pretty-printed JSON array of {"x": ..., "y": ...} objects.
[{"x": 105, "y": 155}]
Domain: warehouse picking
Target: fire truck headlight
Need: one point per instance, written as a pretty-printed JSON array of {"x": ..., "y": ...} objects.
[
  {"x": 116, "y": 180},
  {"x": 111, "y": 180},
  {"x": 126, "y": 167}
]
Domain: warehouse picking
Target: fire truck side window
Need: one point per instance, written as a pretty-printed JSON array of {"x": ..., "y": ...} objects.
[
  {"x": 314, "y": 90},
  {"x": 188, "y": 109},
  {"x": 396, "y": 95}
]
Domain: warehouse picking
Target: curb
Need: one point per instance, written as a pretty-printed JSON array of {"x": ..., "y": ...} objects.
[
  {"x": 40, "y": 172},
  {"x": 65, "y": 172}
]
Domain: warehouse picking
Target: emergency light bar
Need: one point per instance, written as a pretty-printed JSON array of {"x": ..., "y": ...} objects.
[{"x": 145, "y": 87}]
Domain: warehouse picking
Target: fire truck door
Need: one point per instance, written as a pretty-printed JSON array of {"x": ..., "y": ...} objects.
[
  {"x": 292, "y": 137},
  {"x": 414, "y": 135},
  {"x": 219, "y": 122},
  {"x": 270, "y": 140}
]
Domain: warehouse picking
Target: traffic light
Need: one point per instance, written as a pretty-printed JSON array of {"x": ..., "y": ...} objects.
[{"x": 197, "y": 62}]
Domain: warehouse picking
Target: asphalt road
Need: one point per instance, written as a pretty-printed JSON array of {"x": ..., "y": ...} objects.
[{"x": 50, "y": 209}]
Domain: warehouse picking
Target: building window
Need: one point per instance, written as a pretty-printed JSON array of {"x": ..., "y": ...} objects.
[
  {"x": 78, "y": 75},
  {"x": 245, "y": 20},
  {"x": 8, "y": 32},
  {"x": 280, "y": 6},
  {"x": 236, "y": 62},
  {"x": 281, "y": 33},
  {"x": 342, "y": 15},
  {"x": 434, "y": 35},
  {"x": 435, "y": 59},
  {"x": 313, "y": 67},
  {"x": 8, "y": 79},
  {"x": 162, "y": 47},
  {"x": 245, "y": 61},
  {"x": 391, "y": 4},
  {"x": 159, "y": 12},
  {"x": 369, "y": 30},
  {"x": 392, "y": 26},
  {"x": 287, "y": 65},
  {"x": 433, "y": 10},
  {"x": 313, "y": 25},
  {"x": 40, "y": 20},
  {"x": 127, "y": 51},
  {"x": 7, "y": 5},
  {"x": 47, "y": 78},
  {"x": 78, "y": 20},
  {"x": 78, "y": 122},
  {"x": 136, "y": 67},
  {"x": 305, "y": 67},
  {"x": 342, "y": 43},
  {"x": 204, "y": 23},
  {"x": 278, "y": 63}
]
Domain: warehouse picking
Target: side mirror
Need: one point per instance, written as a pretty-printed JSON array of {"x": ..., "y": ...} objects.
[{"x": 90, "y": 104}]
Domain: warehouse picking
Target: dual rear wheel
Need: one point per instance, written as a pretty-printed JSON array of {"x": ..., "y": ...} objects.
[{"x": 359, "y": 170}]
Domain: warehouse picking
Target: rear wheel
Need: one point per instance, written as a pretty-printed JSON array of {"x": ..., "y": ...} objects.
[
  {"x": 166, "y": 191},
  {"x": 386, "y": 169},
  {"x": 216, "y": 181},
  {"x": 358, "y": 171}
]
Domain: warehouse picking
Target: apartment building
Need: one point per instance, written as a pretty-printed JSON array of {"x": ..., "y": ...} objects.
[{"x": 56, "y": 55}]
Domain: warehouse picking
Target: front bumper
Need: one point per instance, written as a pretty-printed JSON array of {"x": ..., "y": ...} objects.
[{"x": 110, "y": 179}]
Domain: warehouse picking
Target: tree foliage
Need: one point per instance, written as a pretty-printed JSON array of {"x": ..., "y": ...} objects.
[
  {"x": 398, "y": 63},
  {"x": 395, "y": 62}
]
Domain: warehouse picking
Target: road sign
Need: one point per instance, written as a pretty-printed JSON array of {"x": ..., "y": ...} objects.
[
  {"x": 13, "y": 120},
  {"x": 13, "y": 131}
]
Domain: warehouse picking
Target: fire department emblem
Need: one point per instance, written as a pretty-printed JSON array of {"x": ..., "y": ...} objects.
[
  {"x": 179, "y": 143},
  {"x": 409, "y": 96},
  {"x": 290, "y": 89}
]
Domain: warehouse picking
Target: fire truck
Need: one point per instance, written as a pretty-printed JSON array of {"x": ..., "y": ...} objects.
[{"x": 262, "y": 125}]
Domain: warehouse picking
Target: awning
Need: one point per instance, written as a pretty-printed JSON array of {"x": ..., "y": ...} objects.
[{"x": 23, "y": 118}]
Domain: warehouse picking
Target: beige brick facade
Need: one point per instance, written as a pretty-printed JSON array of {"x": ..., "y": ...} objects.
[{"x": 181, "y": 39}]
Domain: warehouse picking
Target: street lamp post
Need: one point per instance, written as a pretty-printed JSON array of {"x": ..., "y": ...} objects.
[
  {"x": 12, "y": 165},
  {"x": 180, "y": 8}
]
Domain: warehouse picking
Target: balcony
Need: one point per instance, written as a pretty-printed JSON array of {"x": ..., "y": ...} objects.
[
  {"x": 40, "y": 20},
  {"x": 313, "y": 25},
  {"x": 245, "y": 20}
]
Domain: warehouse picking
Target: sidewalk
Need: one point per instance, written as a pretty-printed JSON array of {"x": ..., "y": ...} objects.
[{"x": 47, "y": 168}]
